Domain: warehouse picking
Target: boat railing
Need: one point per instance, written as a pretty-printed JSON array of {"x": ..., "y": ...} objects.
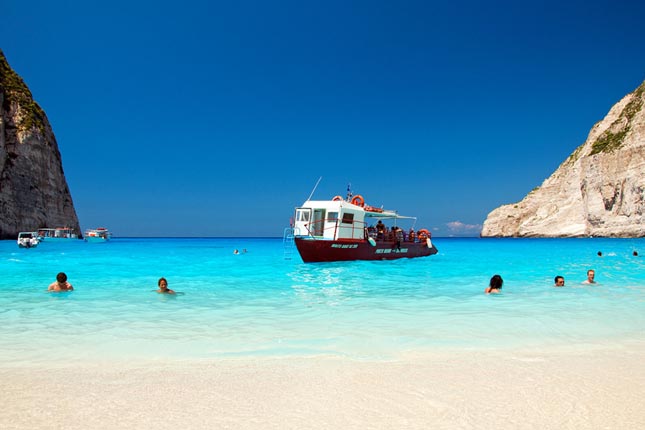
[
  {"x": 354, "y": 230},
  {"x": 334, "y": 228}
]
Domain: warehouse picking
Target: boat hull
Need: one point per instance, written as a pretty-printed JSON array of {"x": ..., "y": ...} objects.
[
  {"x": 26, "y": 244},
  {"x": 96, "y": 239},
  {"x": 317, "y": 250},
  {"x": 59, "y": 239}
]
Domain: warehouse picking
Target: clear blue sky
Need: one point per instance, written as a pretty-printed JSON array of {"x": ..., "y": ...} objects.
[{"x": 209, "y": 118}]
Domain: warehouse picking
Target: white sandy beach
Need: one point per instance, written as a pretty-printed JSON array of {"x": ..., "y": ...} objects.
[{"x": 593, "y": 389}]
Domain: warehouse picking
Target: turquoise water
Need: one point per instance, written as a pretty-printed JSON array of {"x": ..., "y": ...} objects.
[{"x": 260, "y": 303}]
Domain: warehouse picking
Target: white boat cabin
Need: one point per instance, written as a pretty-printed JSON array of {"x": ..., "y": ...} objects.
[
  {"x": 337, "y": 219},
  {"x": 56, "y": 233}
]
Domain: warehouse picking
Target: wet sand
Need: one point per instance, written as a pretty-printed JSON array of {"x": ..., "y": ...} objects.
[{"x": 591, "y": 389}]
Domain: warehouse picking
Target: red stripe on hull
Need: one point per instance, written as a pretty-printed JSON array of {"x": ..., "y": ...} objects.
[{"x": 316, "y": 251}]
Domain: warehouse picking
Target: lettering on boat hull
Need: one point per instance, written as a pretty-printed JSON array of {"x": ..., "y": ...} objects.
[{"x": 314, "y": 251}]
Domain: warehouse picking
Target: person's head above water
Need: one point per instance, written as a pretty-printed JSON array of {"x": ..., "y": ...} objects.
[
  {"x": 163, "y": 286},
  {"x": 591, "y": 274},
  {"x": 496, "y": 282}
]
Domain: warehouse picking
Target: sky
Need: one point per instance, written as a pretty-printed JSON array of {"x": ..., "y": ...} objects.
[{"x": 216, "y": 119}]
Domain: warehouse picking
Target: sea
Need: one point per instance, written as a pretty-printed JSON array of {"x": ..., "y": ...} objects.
[{"x": 265, "y": 302}]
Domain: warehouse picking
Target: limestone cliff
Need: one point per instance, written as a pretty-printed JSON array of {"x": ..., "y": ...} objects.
[
  {"x": 33, "y": 189},
  {"x": 598, "y": 191}
]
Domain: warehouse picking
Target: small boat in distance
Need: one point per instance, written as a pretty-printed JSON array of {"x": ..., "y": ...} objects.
[
  {"x": 56, "y": 234},
  {"x": 97, "y": 235},
  {"x": 28, "y": 239},
  {"x": 348, "y": 229}
]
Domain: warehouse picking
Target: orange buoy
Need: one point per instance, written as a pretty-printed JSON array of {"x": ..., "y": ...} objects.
[{"x": 358, "y": 200}]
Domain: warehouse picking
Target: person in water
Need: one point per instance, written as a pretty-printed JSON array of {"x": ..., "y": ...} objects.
[
  {"x": 591, "y": 274},
  {"x": 495, "y": 285},
  {"x": 61, "y": 284},
  {"x": 559, "y": 281},
  {"x": 163, "y": 287}
]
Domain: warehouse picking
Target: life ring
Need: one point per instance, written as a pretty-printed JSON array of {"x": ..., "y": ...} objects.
[
  {"x": 337, "y": 198},
  {"x": 358, "y": 200},
  {"x": 423, "y": 234}
]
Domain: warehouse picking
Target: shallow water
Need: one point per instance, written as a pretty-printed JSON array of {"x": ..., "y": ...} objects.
[{"x": 259, "y": 303}]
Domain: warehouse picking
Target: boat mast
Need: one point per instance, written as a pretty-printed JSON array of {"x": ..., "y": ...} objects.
[{"x": 314, "y": 190}]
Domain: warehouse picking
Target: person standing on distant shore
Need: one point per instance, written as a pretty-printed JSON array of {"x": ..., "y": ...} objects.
[
  {"x": 163, "y": 287},
  {"x": 591, "y": 274},
  {"x": 559, "y": 281},
  {"x": 61, "y": 284},
  {"x": 495, "y": 285}
]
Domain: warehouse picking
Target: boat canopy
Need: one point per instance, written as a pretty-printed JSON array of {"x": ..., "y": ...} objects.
[{"x": 386, "y": 214}]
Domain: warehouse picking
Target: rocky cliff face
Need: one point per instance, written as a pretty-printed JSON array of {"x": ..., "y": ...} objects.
[
  {"x": 33, "y": 189},
  {"x": 598, "y": 191}
]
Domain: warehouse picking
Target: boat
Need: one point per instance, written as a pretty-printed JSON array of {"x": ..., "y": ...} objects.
[
  {"x": 346, "y": 229},
  {"x": 56, "y": 234},
  {"x": 28, "y": 239},
  {"x": 97, "y": 235}
]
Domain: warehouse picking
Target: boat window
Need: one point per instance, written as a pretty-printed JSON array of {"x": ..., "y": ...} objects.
[
  {"x": 319, "y": 218},
  {"x": 348, "y": 218},
  {"x": 332, "y": 216},
  {"x": 303, "y": 215}
]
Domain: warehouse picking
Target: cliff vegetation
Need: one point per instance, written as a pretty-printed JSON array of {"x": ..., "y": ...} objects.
[
  {"x": 16, "y": 92},
  {"x": 614, "y": 136},
  {"x": 33, "y": 189}
]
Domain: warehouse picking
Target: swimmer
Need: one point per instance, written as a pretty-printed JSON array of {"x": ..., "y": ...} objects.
[
  {"x": 163, "y": 287},
  {"x": 495, "y": 285},
  {"x": 591, "y": 274},
  {"x": 559, "y": 281},
  {"x": 599, "y": 254},
  {"x": 236, "y": 252},
  {"x": 61, "y": 284},
  {"x": 635, "y": 253}
]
